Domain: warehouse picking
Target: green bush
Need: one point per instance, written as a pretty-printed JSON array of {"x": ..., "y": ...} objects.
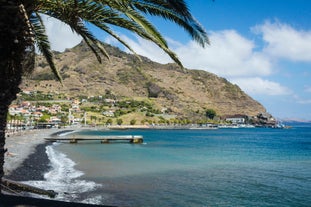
[{"x": 133, "y": 122}]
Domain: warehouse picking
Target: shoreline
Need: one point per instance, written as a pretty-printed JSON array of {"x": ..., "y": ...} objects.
[
  {"x": 33, "y": 167},
  {"x": 27, "y": 148}
]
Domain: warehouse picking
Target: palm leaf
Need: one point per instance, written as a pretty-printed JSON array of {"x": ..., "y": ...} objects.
[
  {"x": 176, "y": 12},
  {"x": 127, "y": 14},
  {"x": 43, "y": 43}
]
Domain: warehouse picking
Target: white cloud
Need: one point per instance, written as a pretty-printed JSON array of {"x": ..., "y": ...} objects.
[
  {"x": 229, "y": 55},
  {"x": 283, "y": 41},
  {"x": 142, "y": 47},
  {"x": 259, "y": 86},
  {"x": 60, "y": 35}
]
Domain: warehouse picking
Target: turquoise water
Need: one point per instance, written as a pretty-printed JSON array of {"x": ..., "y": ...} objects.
[{"x": 193, "y": 168}]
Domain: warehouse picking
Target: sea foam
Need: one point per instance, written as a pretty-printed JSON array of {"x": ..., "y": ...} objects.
[{"x": 63, "y": 178}]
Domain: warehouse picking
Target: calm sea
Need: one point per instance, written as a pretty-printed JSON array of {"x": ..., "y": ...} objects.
[{"x": 186, "y": 168}]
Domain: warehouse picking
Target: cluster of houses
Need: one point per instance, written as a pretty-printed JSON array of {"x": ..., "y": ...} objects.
[{"x": 28, "y": 115}]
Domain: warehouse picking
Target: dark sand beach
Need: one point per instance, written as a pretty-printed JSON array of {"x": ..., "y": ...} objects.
[
  {"x": 33, "y": 167},
  {"x": 27, "y": 160},
  {"x": 21, "y": 145},
  {"x": 36, "y": 164}
]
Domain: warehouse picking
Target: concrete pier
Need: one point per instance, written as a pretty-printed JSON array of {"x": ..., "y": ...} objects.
[{"x": 135, "y": 139}]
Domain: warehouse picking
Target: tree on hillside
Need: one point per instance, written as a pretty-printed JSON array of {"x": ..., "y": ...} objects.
[
  {"x": 21, "y": 28},
  {"x": 119, "y": 121},
  {"x": 133, "y": 122},
  {"x": 109, "y": 122},
  {"x": 210, "y": 113}
]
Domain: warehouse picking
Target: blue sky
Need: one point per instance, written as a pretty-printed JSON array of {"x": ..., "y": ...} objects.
[{"x": 264, "y": 46}]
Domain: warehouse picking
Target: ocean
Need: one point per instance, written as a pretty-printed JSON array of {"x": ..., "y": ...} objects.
[{"x": 185, "y": 168}]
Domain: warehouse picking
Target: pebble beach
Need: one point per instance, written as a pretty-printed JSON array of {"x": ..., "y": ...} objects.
[
  {"x": 26, "y": 159},
  {"x": 23, "y": 144}
]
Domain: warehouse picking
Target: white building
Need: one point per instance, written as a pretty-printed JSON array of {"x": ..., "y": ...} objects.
[{"x": 236, "y": 120}]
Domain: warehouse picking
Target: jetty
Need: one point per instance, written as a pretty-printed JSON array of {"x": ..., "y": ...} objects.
[{"x": 135, "y": 139}]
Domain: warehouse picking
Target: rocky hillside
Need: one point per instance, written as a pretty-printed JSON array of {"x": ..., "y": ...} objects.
[{"x": 182, "y": 92}]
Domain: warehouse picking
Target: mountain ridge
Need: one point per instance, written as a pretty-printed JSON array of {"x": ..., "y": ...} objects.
[{"x": 183, "y": 92}]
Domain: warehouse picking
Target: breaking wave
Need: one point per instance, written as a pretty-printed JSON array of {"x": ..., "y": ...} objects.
[{"x": 63, "y": 178}]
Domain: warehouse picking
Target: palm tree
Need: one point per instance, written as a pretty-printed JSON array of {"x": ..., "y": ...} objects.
[{"x": 21, "y": 28}]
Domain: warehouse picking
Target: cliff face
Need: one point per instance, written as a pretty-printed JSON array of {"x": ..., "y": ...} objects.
[{"x": 182, "y": 92}]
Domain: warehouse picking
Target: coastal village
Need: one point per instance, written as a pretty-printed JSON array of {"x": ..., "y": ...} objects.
[
  {"x": 155, "y": 103},
  {"x": 106, "y": 112}
]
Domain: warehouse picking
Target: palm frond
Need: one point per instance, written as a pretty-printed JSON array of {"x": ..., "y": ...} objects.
[
  {"x": 177, "y": 12},
  {"x": 117, "y": 37},
  {"x": 127, "y": 14},
  {"x": 43, "y": 43},
  {"x": 100, "y": 16},
  {"x": 176, "y": 6},
  {"x": 147, "y": 26},
  {"x": 91, "y": 41},
  {"x": 139, "y": 25}
]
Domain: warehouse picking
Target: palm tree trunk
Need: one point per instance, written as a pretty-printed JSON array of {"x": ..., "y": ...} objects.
[
  {"x": 8, "y": 90},
  {"x": 13, "y": 43}
]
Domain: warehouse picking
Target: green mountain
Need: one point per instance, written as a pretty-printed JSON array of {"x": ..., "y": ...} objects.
[{"x": 181, "y": 92}]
